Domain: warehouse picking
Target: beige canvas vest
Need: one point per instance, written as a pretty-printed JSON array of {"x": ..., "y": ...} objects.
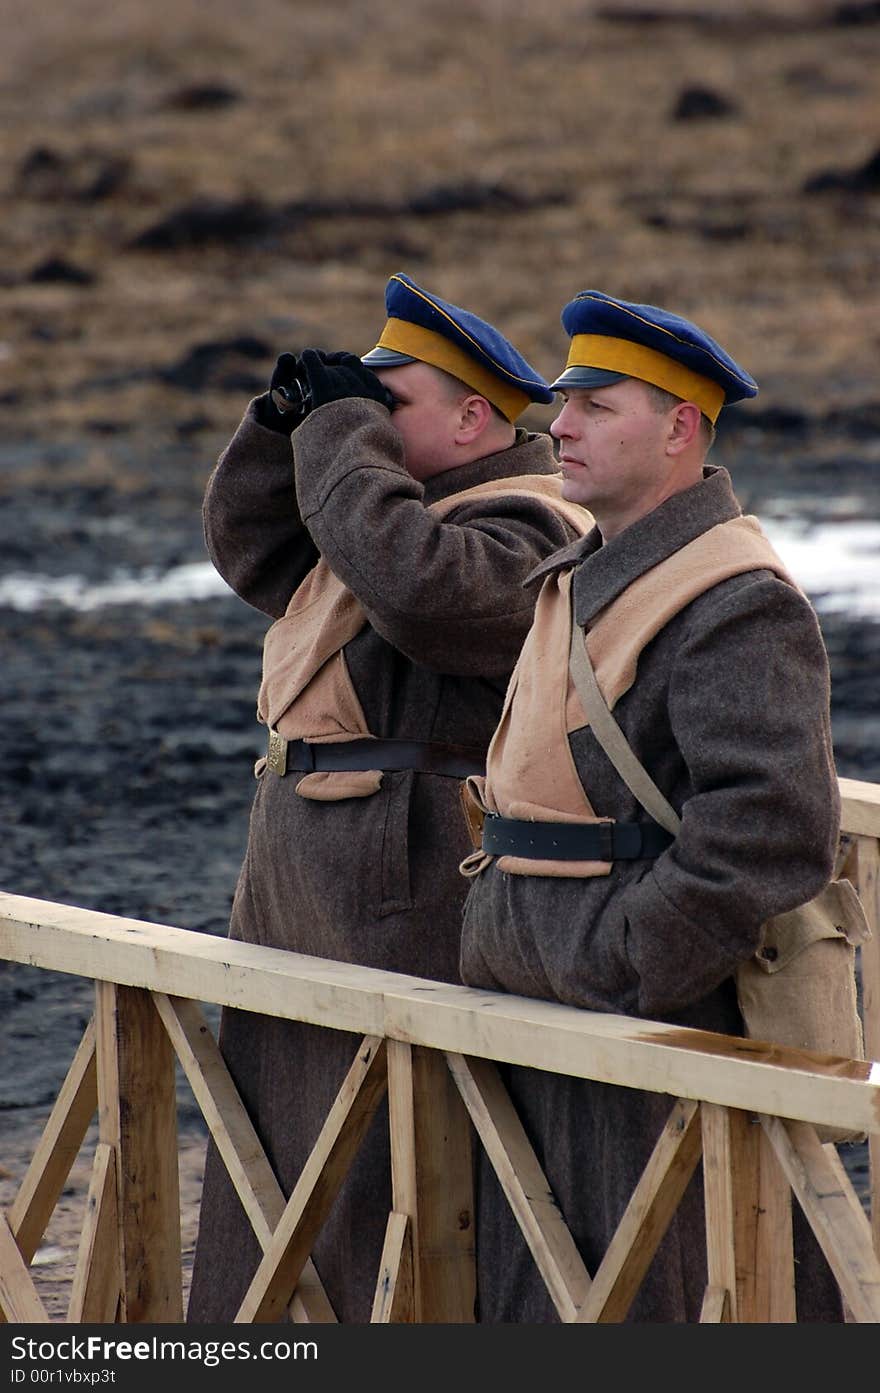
[
  {"x": 306, "y": 691},
  {"x": 530, "y": 771}
]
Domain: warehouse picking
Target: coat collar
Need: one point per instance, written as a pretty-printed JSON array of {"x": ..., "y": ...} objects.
[
  {"x": 530, "y": 453},
  {"x": 601, "y": 572}
]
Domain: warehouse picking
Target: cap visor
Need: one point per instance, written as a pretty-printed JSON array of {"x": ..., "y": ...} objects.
[
  {"x": 585, "y": 378},
  {"x": 385, "y": 358}
]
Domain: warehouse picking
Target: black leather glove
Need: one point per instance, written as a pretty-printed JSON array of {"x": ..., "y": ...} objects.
[
  {"x": 286, "y": 385},
  {"x": 333, "y": 376}
]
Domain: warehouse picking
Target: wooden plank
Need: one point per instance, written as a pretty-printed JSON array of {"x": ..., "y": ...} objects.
[
  {"x": 19, "y": 1301},
  {"x": 816, "y": 1175},
  {"x": 716, "y": 1306},
  {"x": 860, "y": 807},
  {"x": 95, "y": 1293},
  {"x": 545, "y": 1035},
  {"x": 867, "y": 882},
  {"x": 350, "y": 1116},
  {"x": 57, "y": 1149},
  {"x": 718, "y": 1185},
  {"x": 745, "y": 1179},
  {"x": 774, "y": 1271},
  {"x": 402, "y": 1136},
  {"x": 444, "y": 1253},
  {"x": 432, "y": 1182},
  {"x": 137, "y": 1117},
  {"x": 240, "y": 1149},
  {"x": 646, "y": 1217},
  {"x": 215, "y": 1092},
  {"x": 393, "y": 1302},
  {"x": 524, "y": 1183},
  {"x": 743, "y": 1134}
]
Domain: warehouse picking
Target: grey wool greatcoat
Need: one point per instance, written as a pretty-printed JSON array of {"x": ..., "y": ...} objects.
[
  {"x": 371, "y": 880},
  {"x": 729, "y": 713}
]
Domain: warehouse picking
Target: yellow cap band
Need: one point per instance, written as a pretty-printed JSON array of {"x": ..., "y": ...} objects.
[
  {"x": 635, "y": 360},
  {"x": 417, "y": 342}
]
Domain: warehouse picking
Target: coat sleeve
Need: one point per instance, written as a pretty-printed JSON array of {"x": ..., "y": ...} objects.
[
  {"x": 448, "y": 594},
  {"x": 253, "y": 528},
  {"x": 749, "y": 708}
]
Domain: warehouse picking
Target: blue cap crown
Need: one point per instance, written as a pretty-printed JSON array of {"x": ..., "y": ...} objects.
[
  {"x": 613, "y": 338},
  {"x": 425, "y": 328}
]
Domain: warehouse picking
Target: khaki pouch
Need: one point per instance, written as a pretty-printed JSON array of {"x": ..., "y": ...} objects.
[
  {"x": 474, "y": 813},
  {"x": 799, "y": 988}
]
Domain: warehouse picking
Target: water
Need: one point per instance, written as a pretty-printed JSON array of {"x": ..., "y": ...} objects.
[{"x": 836, "y": 563}]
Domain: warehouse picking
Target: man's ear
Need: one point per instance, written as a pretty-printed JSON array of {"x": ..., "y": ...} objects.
[
  {"x": 684, "y": 427},
  {"x": 475, "y": 413}
]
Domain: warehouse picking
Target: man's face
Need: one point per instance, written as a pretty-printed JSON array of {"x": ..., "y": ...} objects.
[
  {"x": 427, "y": 416},
  {"x": 611, "y": 450}
]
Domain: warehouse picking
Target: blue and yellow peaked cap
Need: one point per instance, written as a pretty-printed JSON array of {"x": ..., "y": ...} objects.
[
  {"x": 422, "y": 327},
  {"x": 611, "y": 339}
]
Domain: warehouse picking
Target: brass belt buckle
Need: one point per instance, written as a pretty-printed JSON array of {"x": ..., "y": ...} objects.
[{"x": 276, "y": 755}]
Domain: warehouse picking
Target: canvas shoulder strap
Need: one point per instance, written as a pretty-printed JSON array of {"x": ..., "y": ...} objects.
[{"x": 611, "y": 737}]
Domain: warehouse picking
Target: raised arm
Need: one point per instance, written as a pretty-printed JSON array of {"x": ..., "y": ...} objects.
[
  {"x": 253, "y": 528},
  {"x": 446, "y": 592}
]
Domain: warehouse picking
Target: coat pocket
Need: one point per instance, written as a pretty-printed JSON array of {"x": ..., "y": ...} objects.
[{"x": 395, "y": 885}]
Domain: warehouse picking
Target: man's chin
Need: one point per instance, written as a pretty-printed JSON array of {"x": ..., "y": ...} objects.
[{"x": 571, "y": 492}]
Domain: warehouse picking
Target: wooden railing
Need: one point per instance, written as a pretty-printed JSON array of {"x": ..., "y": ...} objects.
[{"x": 433, "y": 1047}]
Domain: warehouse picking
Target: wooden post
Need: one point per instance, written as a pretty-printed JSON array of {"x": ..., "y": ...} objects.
[
  {"x": 770, "y": 1284},
  {"x": 868, "y": 886},
  {"x": 58, "y": 1148},
  {"x": 94, "y": 1298},
  {"x": 433, "y": 1182},
  {"x": 739, "y": 1235},
  {"x": 137, "y": 1117},
  {"x": 19, "y": 1300}
]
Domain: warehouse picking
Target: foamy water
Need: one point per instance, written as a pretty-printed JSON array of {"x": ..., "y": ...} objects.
[
  {"x": 31, "y": 591},
  {"x": 837, "y": 564}
]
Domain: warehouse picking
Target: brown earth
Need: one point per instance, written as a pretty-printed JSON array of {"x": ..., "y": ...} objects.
[
  {"x": 187, "y": 190},
  {"x": 509, "y": 154}
]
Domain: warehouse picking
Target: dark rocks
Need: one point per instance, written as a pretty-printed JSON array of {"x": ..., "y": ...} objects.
[
  {"x": 864, "y": 178},
  {"x": 84, "y": 176},
  {"x": 702, "y": 103},
  {"x": 711, "y": 224},
  {"x": 212, "y": 220},
  {"x": 202, "y": 96},
  {"x": 40, "y": 173},
  {"x": 476, "y": 196},
  {"x": 206, "y": 220},
  {"x": 218, "y": 364},
  {"x": 860, "y": 12},
  {"x": 58, "y": 270}
]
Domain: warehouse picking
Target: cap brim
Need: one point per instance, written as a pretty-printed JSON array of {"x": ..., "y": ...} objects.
[
  {"x": 576, "y": 376},
  {"x": 385, "y": 358}
]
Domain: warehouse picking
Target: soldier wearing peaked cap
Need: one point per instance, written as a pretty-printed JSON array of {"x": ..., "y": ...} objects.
[
  {"x": 383, "y": 512},
  {"x": 712, "y": 662},
  {"x": 613, "y": 339}
]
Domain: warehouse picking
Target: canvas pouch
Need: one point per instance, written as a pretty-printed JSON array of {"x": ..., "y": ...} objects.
[{"x": 799, "y": 988}]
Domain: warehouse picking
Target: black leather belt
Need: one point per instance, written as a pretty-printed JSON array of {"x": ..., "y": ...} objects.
[
  {"x": 574, "y": 841},
  {"x": 426, "y": 757}
]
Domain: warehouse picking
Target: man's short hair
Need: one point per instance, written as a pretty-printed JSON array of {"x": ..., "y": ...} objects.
[
  {"x": 460, "y": 389},
  {"x": 665, "y": 401}
]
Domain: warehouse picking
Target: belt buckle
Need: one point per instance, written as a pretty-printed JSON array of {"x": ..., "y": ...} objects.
[{"x": 276, "y": 755}]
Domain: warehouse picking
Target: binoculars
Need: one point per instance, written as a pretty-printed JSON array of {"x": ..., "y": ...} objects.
[
  {"x": 296, "y": 395},
  {"x": 293, "y": 396}
]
